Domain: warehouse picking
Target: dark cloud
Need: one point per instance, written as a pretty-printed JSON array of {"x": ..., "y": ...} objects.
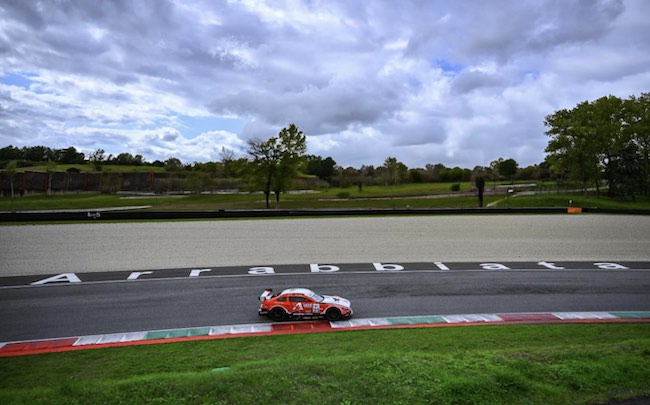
[{"x": 460, "y": 82}]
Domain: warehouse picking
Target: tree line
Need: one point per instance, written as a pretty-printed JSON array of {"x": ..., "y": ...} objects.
[
  {"x": 603, "y": 142},
  {"x": 273, "y": 166},
  {"x": 35, "y": 155}
]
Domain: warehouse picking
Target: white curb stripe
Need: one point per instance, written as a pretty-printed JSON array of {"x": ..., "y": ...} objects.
[
  {"x": 360, "y": 322},
  {"x": 238, "y": 329},
  {"x": 472, "y": 318},
  {"x": 110, "y": 338},
  {"x": 583, "y": 315},
  {"x": 225, "y": 330}
]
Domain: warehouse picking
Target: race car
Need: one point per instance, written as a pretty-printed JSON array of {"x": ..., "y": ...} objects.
[{"x": 302, "y": 303}]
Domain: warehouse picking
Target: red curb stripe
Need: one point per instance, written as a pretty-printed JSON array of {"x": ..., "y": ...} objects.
[
  {"x": 300, "y": 327},
  {"x": 41, "y": 346}
]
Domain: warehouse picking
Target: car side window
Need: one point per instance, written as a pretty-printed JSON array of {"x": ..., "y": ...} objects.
[{"x": 282, "y": 299}]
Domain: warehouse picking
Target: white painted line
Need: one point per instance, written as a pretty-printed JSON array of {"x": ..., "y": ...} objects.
[
  {"x": 472, "y": 318},
  {"x": 583, "y": 315},
  {"x": 441, "y": 266},
  {"x": 110, "y": 338},
  {"x": 360, "y": 322}
]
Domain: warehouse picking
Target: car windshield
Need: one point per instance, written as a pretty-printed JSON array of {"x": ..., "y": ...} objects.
[{"x": 316, "y": 297}]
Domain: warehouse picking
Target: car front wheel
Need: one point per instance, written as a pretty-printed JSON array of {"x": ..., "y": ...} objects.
[
  {"x": 333, "y": 314},
  {"x": 277, "y": 314}
]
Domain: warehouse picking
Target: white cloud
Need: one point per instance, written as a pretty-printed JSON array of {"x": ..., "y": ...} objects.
[{"x": 462, "y": 83}]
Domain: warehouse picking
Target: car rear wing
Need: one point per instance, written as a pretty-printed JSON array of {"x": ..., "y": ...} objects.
[{"x": 267, "y": 294}]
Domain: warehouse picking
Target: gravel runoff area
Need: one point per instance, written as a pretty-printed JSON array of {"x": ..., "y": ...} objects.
[{"x": 103, "y": 246}]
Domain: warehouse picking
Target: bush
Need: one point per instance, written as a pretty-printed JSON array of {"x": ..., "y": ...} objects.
[
  {"x": 343, "y": 194},
  {"x": 455, "y": 187}
]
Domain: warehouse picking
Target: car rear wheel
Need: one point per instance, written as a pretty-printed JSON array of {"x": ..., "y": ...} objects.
[
  {"x": 333, "y": 314},
  {"x": 277, "y": 314}
]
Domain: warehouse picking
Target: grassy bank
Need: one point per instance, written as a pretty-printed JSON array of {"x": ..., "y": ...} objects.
[
  {"x": 481, "y": 364},
  {"x": 577, "y": 200}
]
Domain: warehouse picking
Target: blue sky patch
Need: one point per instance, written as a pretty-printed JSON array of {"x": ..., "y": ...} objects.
[
  {"x": 195, "y": 126},
  {"x": 448, "y": 66},
  {"x": 14, "y": 79}
]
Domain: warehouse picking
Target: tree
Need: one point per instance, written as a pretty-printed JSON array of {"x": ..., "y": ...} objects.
[
  {"x": 416, "y": 175},
  {"x": 37, "y": 153},
  {"x": 275, "y": 161},
  {"x": 434, "y": 171},
  {"x": 607, "y": 122},
  {"x": 227, "y": 157},
  {"x": 593, "y": 136},
  {"x": 127, "y": 159},
  {"x": 265, "y": 157},
  {"x": 71, "y": 156},
  {"x": 10, "y": 153},
  {"x": 572, "y": 148},
  {"x": 637, "y": 127},
  {"x": 292, "y": 148},
  {"x": 395, "y": 171},
  {"x": 173, "y": 164},
  {"x": 625, "y": 172},
  {"x": 319, "y": 167},
  {"x": 97, "y": 159},
  {"x": 507, "y": 168}
]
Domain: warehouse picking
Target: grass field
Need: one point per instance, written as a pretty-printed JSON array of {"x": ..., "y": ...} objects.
[
  {"x": 427, "y": 195},
  {"x": 514, "y": 364},
  {"x": 577, "y": 200}
]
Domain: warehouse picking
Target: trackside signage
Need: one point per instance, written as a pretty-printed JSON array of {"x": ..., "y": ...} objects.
[{"x": 77, "y": 278}]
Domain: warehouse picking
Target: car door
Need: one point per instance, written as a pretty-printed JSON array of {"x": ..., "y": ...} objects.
[
  {"x": 283, "y": 301},
  {"x": 300, "y": 305}
]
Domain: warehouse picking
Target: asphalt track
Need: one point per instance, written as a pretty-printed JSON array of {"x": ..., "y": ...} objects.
[
  {"x": 45, "y": 249},
  {"x": 62, "y": 308}
]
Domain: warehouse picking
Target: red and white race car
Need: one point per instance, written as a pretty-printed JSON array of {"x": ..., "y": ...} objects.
[{"x": 302, "y": 303}]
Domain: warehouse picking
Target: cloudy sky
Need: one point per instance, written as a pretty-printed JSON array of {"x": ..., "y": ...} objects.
[{"x": 455, "y": 82}]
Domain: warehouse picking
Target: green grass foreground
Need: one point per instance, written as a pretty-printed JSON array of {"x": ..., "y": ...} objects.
[{"x": 514, "y": 364}]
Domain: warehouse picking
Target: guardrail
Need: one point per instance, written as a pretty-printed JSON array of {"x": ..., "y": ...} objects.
[{"x": 101, "y": 215}]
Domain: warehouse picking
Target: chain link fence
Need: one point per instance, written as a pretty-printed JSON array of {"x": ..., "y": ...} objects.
[{"x": 27, "y": 183}]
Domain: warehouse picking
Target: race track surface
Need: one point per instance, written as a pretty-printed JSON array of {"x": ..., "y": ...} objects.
[
  {"x": 62, "y": 308},
  {"x": 65, "y": 280}
]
